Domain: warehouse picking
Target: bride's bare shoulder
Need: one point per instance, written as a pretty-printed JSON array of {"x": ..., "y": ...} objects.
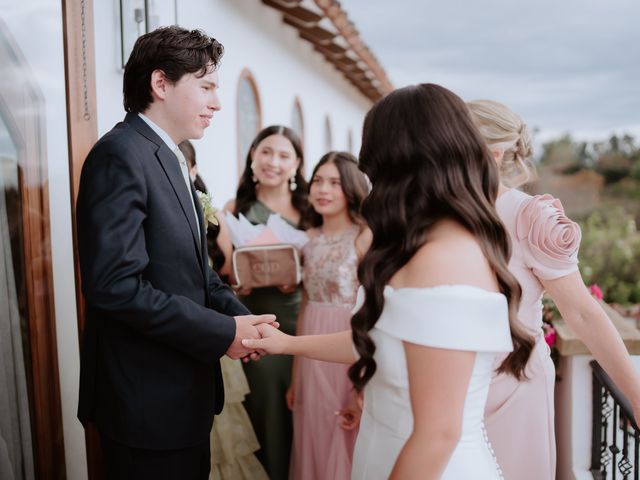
[{"x": 450, "y": 256}]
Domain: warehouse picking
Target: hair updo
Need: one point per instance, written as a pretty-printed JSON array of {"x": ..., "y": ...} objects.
[{"x": 504, "y": 130}]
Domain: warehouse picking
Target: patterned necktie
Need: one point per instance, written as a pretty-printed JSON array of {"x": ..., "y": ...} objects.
[{"x": 185, "y": 174}]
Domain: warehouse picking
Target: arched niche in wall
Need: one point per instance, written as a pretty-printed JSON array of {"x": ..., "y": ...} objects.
[{"x": 249, "y": 115}]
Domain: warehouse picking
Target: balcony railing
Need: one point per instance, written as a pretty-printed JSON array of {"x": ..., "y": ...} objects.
[{"x": 615, "y": 446}]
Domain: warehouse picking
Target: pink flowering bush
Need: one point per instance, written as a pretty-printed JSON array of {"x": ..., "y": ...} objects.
[
  {"x": 596, "y": 291},
  {"x": 549, "y": 313},
  {"x": 610, "y": 255},
  {"x": 549, "y": 334}
]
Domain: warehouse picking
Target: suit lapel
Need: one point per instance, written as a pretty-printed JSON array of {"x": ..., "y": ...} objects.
[{"x": 171, "y": 167}]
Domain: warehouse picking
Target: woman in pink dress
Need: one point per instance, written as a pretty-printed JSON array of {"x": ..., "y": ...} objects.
[
  {"x": 520, "y": 415},
  {"x": 323, "y": 440}
]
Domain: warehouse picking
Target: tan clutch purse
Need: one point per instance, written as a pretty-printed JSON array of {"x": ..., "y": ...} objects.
[{"x": 266, "y": 266}]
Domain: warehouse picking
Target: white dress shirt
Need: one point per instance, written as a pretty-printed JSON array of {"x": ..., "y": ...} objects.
[{"x": 184, "y": 168}]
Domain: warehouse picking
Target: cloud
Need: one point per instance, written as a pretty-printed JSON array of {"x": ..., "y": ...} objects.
[{"x": 568, "y": 66}]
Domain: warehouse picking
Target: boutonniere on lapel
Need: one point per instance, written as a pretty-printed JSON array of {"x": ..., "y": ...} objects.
[{"x": 208, "y": 210}]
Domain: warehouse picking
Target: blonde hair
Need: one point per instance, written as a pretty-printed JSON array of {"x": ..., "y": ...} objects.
[{"x": 504, "y": 130}]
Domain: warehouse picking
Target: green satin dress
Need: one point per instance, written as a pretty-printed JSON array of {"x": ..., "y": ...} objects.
[{"x": 269, "y": 378}]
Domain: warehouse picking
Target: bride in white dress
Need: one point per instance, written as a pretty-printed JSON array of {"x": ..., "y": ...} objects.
[{"x": 437, "y": 302}]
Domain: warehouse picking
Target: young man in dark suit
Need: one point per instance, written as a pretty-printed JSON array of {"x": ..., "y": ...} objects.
[{"x": 157, "y": 317}]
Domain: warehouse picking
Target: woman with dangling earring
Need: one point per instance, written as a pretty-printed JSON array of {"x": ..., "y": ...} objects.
[
  {"x": 272, "y": 183},
  {"x": 233, "y": 441}
]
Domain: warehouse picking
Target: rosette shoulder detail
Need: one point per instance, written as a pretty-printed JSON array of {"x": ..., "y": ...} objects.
[{"x": 549, "y": 240}]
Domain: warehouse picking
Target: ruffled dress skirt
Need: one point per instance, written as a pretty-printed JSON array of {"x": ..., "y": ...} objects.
[{"x": 233, "y": 441}]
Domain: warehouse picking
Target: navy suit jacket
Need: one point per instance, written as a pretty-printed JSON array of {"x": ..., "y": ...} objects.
[{"x": 158, "y": 319}]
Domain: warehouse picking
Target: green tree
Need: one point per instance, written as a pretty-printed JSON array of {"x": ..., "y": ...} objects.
[
  {"x": 561, "y": 155},
  {"x": 610, "y": 255}
]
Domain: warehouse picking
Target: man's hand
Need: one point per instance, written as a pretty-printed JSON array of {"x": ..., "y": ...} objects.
[{"x": 246, "y": 328}]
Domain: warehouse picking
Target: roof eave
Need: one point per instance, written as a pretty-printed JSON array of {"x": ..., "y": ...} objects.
[{"x": 326, "y": 26}]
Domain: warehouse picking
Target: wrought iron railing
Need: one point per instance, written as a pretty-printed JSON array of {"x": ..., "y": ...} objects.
[{"x": 615, "y": 444}]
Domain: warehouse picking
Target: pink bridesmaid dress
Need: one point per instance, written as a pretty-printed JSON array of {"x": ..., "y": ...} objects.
[
  {"x": 321, "y": 448},
  {"x": 519, "y": 416}
]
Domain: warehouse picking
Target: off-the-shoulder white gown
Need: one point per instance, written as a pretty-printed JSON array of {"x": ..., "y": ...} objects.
[{"x": 455, "y": 317}]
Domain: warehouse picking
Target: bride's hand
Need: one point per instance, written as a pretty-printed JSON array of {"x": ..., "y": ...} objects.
[{"x": 273, "y": 340}]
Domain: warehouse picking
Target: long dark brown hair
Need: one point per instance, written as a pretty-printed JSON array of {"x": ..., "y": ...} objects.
[
  {"x": 246, "y": 193},
  {"x": 426, "y": 161},
  {"x": 352, "y": 181}
]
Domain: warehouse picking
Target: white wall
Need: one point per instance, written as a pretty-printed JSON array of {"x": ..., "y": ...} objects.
[
  {"x": 573, "y": 418},
  {"x": 283, "y": 65},
  {"x": 36, "y": 27}
]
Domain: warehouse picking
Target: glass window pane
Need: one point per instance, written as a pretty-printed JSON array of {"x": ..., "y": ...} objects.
[{"x": 14, "y": 332}]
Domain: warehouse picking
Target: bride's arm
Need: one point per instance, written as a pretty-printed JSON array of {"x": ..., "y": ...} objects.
[
  {"x": 439, "y": 378},
  {"x": 438, "y": 382},
  {"x": 332, "y": 347}
]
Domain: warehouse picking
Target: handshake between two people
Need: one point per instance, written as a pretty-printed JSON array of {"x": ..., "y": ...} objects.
[
  {"x": 252, "y": 327},
  {"x": 263, "y": 337}
]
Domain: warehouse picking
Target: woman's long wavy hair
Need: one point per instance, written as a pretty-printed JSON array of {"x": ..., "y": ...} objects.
[
  {"x": 352, "y": 181},
  {"x": 246, "y": 193},
  {"x": 427, "y": 161}
]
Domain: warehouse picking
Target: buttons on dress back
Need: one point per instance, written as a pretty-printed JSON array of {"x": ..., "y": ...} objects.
[{"x": 493, "y": 455}]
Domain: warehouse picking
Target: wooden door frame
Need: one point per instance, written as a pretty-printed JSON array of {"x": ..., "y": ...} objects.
[{"x": 82, "y": 134}]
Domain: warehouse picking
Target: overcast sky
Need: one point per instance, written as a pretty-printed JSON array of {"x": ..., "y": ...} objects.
[{"x": 563, "y": 65}]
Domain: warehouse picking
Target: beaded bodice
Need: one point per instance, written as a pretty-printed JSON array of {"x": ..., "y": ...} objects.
[{"x": 330, "y": 267}]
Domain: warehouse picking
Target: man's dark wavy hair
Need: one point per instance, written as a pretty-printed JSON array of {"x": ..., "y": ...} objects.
[{"x": 174, "y": 50}]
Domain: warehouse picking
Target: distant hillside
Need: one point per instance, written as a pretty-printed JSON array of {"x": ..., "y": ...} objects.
[
  {"x": 590, "y": 176},
  {"x": 580, "y": 192}
]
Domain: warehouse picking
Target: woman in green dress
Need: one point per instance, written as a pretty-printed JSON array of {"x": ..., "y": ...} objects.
[
  {"x": 233, "y": 441},
  {"x": 272, "y": 182}
]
